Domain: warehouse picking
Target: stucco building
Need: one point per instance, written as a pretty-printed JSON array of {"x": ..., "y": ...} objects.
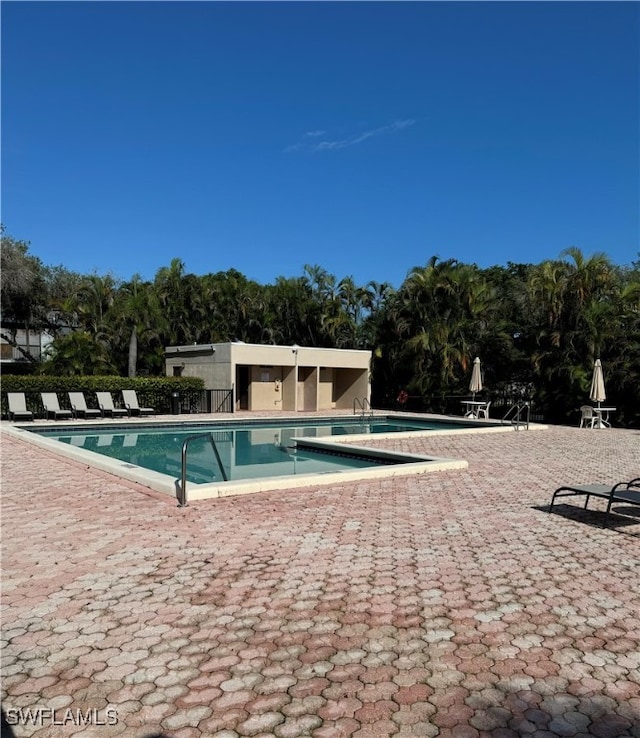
[{"x": 288, "y": 378}]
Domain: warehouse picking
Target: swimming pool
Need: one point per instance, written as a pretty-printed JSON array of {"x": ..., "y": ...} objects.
[
  {"x": 254, "y": 455},
  {"x": 246, "y": 450}
]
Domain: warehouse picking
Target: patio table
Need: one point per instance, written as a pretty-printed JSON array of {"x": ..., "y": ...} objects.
[
  {"x": 601, "y": 417},
  {"x": 472, "y": 407}
]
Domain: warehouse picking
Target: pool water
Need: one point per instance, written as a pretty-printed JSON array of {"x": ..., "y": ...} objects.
[{"x": 248, "y": 451}]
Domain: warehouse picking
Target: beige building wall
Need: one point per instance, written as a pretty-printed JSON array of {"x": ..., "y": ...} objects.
[
  {"x": 325, "y": 389},
  {"x": 308, "y": 388},
  {"x": 289, "y": 388},
  {"x": 287, "y": 378},
  {"x": 210, "y": 362},
  {"x": 265, "y": 388},
  {"x": 350, "y": 384}
]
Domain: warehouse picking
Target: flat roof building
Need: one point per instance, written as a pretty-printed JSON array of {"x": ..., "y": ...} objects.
[{"x": 288, "y": 378}]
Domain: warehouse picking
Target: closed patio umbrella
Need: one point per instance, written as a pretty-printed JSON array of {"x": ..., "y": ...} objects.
[
  {"x": 476, "y": 379},
  {"x": 597, "y": 393}
]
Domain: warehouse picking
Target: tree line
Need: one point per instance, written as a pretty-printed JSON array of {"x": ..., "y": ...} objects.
[{"x": 538, "y": 327}]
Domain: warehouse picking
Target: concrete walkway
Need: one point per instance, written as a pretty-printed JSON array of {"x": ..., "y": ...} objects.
[{"x": 450, "y": 604}]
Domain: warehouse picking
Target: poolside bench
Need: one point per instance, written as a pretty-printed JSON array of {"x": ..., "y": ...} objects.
[{"x": 625, "y": 492}]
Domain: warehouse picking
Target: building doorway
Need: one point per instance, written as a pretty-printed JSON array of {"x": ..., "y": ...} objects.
[{"x": 242, "y": 385}]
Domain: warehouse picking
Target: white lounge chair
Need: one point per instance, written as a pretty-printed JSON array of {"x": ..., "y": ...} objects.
[
  {"x": 18, "y": 406},
  {"x": 105, "y": 402},
  {"x": 79, "y": 406},
  {"x": 52, "y": 407},
  {"x": 130, "y": 399}
]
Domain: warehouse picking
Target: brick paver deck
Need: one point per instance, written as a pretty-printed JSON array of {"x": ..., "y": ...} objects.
[{"x": 449, "y": 604}]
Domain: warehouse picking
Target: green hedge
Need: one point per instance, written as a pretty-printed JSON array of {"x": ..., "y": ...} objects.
[{"x": 153, "y": 392}]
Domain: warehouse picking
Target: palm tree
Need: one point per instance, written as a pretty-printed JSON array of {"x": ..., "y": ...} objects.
[
  {"x": 574, "y": 298},
  {"x": 436, "y": 294},
  {"x": 137, "y": 316},
  {"x": 77, "y": 354},
  {"x": 168, "y": 285}
]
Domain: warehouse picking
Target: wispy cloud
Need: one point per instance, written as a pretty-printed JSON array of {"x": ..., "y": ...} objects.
[{"x": 309, "y": 143}]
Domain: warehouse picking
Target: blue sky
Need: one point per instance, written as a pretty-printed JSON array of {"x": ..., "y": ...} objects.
[{"x": 364, "y": 137}]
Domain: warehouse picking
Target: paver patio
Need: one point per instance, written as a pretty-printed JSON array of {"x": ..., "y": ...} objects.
[{"x": 450, "y": 604}]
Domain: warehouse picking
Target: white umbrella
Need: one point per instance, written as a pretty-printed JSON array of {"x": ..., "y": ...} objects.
[
  {"x": 476, "y": 379},
  {"x": 597, "y": 393}
]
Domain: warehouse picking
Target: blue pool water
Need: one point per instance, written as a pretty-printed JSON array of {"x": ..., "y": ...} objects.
[{"x": 247, "y": 451}]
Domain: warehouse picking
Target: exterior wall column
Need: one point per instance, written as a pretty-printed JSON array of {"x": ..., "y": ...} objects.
[{"x": 295, "y": 349}]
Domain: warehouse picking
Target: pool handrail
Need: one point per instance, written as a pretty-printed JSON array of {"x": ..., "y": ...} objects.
[
  {"x": 514, "y": 413},
  {"x": 363, "y": 404},
  {"x": 182, "y": 500}
]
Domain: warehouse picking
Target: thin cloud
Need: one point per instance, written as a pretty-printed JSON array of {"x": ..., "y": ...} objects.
[
  {"x": 333, "y": 145},
  {"x": 303, "y": 144}
]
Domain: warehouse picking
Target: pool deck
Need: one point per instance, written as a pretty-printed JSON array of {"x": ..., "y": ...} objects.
[{"x": 450, "y": 604}]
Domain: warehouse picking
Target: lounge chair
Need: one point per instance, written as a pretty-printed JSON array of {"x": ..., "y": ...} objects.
[
  {"x": 626, "y": 492},
  {"x": 52, "y": 407},
  {"x": 105, "y": 402},
  {"x": 79, "y": 406},
  {"x": 586, "y": 416},
  {"x": 18, "y": 406},
  {"x": 130, "y": 399}
]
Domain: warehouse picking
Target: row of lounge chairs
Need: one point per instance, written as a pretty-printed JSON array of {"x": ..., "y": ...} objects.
[{"x": 79, "y": 409}]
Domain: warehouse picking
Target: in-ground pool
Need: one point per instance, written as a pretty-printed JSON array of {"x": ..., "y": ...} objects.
[
  {"x": 251, "y": 455},
  {"x": 247, "y": 450}
]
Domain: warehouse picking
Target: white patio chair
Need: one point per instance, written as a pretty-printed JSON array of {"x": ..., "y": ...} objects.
[{"x": 586, "y": 416}]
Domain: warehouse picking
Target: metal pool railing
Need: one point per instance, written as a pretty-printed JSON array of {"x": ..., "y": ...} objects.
[
  {"x": 514, "y": 415},
  {"x": 364, "y": 406},
  {"x": 182, "y": 500}
]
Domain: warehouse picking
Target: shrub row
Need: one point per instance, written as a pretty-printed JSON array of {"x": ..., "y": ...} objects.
[{"x": 156, "y": 392}]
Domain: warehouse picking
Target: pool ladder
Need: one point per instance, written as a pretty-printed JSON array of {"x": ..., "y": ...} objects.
[
  {"x": 182, "y": 498},
  {"x": 364, "y": 406},
  {"x": 514, "y": 415}
]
